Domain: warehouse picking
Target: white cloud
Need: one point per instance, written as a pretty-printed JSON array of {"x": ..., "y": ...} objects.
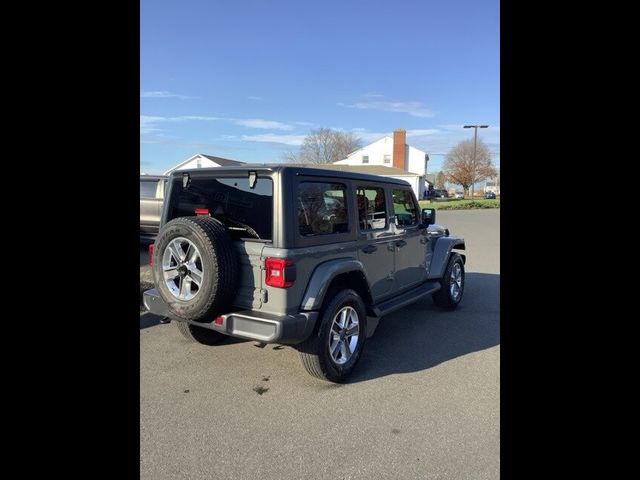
[
  {"x": 419, "y": 132},
  {"x": 194, "y": 118},
  {"x": 305, "y": 124},
  {"x": 148, "y": 124},
  {"x": 371, "y": 95},
  {"x": 275, "y": 138},
  {"x": 416, "y": 109},
  {"x": 164, "y": 94},
  {"x": 369, "y": 137},
  {"x": 261, "y": 123}
]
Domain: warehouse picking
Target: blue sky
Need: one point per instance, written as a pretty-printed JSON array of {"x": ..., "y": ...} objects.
[{"x": 247, "y": 80}]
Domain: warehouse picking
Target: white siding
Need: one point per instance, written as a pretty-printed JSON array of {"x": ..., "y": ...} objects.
[
  {"x": 416, "y": 163},
  {"x": 413, "y": 181},
  {"x": 376, "y": 151}
]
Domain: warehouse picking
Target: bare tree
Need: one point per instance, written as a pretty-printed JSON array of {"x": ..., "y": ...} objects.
[
  {"x": 464, "y": 168},
  {"x": 440, "y": 179},
  {"x": 324, "y": 146}
]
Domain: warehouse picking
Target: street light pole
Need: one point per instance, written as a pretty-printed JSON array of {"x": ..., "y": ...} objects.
[{"x": 475, "y": 143}]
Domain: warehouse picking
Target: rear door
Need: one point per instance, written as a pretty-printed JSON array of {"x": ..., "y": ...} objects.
[{"x": 376, "y": 243}]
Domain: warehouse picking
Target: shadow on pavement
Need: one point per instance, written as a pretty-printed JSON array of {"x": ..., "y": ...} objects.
[
  {"x": 149, "y": 319},
  {"x": 422, "y": 335}
]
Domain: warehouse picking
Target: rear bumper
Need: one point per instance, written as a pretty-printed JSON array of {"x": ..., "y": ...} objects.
[{"x": 250, "y": 324}]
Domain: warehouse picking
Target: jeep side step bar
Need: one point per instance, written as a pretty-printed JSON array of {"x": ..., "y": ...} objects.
[{"x": 395, "y": 303}]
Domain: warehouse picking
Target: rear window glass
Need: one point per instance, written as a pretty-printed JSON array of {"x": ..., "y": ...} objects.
[
  {"x": 148, "y": 189},
  {"x": 247, "y": 213},
  {"x": 322, "y": 208}
]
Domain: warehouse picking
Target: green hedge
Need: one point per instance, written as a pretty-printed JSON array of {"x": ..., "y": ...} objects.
[{"x": 453, "y": 204}]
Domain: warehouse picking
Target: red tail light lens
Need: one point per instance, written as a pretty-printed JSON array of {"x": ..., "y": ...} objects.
[
  {"x": 202, "y": 211},
  {"x": 151, "y": 249},
  {"x": 281, "y": 272}
]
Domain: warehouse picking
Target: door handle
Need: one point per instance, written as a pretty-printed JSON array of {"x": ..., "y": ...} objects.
[
  {"x": 401, "y": 243},
  {"x": 369, "y": 249}
]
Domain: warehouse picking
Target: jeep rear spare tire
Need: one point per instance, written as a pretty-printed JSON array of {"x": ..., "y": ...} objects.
[{"x": 195, "y": 268}]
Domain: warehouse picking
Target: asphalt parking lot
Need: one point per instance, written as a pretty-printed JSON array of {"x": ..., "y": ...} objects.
[{"x": 424, "y": 401}]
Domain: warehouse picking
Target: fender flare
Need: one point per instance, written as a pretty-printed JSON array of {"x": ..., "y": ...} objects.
[
  {"x": 441, "y": 253},
  {"x": 322, "y": 277}
]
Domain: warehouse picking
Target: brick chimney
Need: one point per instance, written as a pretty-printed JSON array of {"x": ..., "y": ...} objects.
[{"x": 400, "y": 149}]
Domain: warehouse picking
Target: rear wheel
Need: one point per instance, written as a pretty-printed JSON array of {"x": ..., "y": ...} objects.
[
  {"x": 451, "y": 284},
  {"x": 201, "y": 335},
  {"x": 332, "y": 351}
]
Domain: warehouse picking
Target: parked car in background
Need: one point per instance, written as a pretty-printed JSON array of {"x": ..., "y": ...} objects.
[
  {"x": 489, "y": 195},
  {"x": 440, "y": 193},
  {"x": 152, "y": 189},
  {"x": 459, "y": 195}
]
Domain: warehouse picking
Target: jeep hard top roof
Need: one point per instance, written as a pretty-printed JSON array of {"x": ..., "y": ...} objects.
[{"x": 297, "y": 170}]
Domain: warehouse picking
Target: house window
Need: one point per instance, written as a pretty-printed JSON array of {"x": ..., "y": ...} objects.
[
  {"x": 365, "y": 159},
  {"x": 199, "y": 163},
  {"x": 387, "y": 159}
]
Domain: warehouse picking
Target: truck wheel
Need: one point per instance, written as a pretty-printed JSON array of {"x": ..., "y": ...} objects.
[
  {"x": 333, "y": 350},
  {"x": 451, "y": 284},
  {"x": 201, "y": 335},
  {"x": 195, "y": 268}
]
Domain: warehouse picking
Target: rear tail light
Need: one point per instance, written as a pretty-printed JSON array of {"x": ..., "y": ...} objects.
[
  {"x": 281, "y": 272},
  {"x": 152, "y": 246},
  {"x": 202, "y": 211}
]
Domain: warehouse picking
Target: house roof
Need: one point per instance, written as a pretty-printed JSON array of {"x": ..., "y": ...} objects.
[
  {"x": 370, "y": 169},
  {"x": 225, "y": 162}
]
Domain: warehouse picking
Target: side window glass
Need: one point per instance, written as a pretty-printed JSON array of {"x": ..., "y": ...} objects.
[
  {"x": 148, "y": 189},
  {"x": 322, "y": 208},
  {"x": 405, "y": 208},
  {"x": 372, "y": 210}
]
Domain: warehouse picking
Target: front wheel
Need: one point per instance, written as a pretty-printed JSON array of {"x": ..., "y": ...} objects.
[
  {"x": 332, "y": 351},
  {"x": 451, "y": 284}
]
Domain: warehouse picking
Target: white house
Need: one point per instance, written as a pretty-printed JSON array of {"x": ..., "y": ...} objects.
[
  {"x": 397, "y": 156},
  {"x": 200, "y": 160}
]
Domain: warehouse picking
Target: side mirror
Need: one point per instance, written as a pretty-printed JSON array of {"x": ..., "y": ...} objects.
[{"x": 428, "y": 216}]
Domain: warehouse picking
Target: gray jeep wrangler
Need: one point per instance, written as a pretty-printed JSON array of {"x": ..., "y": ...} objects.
[{"x": 303, "y": 256}]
